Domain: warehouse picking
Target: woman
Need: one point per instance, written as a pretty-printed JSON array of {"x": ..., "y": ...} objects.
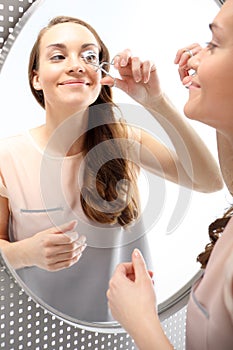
[
  {"x": 78, "y": 169},
  {"x": 210, "y": 308}
]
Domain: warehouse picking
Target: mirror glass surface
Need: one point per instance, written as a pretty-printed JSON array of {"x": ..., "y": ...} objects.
[{"x": 152, "y": 30}]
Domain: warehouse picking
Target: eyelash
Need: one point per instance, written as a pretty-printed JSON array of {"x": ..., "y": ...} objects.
[
  {"x": 57, "y": 57},
  {"x": 90, "y": 57},
  {"x": 210, "y": 46}
]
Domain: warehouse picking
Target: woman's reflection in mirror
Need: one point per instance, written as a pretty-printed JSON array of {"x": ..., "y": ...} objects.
[{"x": 69, "y": 187}]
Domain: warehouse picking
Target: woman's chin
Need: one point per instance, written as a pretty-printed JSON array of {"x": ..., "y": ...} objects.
[
  {"x": 189, "y": 110},
  {"x": 192, "y": 109}
]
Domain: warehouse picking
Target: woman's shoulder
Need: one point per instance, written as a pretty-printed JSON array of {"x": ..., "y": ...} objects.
[
  {"x": 15, "y": 148},
  {"x": 7, "y": 140},
  {"x": 228, "y": 284},
  {"x": 9, "y": 143}
]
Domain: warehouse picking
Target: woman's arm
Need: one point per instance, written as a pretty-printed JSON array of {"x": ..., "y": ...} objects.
[
  {"x": 184, "y": 164},
  {"x": 132, "y": 301},
  {"x": 228, "y": 285},
  {"x": 225, "y": 156},
  {"x": 191, "y": 164},
  {"x": 53, "y": 249}
]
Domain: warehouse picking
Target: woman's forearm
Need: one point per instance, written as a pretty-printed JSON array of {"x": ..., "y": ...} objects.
[
  {"x": 53, "y": 249},
  {"x": 14, "y": 252},
  {"x": 149, "y": 335},
  {"x": 192, "y": 152}
]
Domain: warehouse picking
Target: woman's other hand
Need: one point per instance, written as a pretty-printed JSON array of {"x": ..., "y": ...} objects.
[
  {"x": 55, "y": 248},
  {"x": 131, "y": 292}
]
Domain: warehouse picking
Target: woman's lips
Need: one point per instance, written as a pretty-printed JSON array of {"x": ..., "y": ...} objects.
[
  {"x": 190, "y": 82},
  {"x": 74, "y": 82}
]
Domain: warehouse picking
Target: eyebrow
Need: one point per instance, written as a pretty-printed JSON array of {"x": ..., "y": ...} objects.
[
  {"x": 213, "y": 27},
  {"x": 217, "y": 31},
  {"x": 63, "y": 46}
]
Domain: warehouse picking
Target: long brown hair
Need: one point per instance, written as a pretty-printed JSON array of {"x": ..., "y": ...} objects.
[
  {"x": 215, "y": 230},
  {"x": 117, "y": 167}
]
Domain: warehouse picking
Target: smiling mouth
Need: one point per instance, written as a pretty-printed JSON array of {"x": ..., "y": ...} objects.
[
  {"x": 74, "y": 82},
  {"x": 192, "y": 84}
]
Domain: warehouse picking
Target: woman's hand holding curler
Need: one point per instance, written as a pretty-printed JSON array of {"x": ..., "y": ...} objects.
[{"x": 139, "y": 79}]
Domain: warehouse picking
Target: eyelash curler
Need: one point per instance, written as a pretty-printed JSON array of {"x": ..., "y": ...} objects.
[{"x": 91, "y": 58}]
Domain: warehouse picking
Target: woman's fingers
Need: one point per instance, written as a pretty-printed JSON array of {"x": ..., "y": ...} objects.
[
  {"x": 60, "y": 255},
  {"x": 182, "y": 57},
  {"x": 185, "y": 53},
  {"x": 59, "y": 247}
]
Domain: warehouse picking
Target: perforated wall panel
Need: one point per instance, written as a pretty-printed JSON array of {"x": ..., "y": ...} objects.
[
  {"x": 10, "y": 13},
  {"x": 27, "y": 324}
]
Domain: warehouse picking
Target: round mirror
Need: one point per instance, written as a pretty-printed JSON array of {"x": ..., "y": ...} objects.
[{"x": 175, "y": 223}]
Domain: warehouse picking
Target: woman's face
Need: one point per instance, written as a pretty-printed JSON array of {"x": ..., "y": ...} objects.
[
  {"x": 68, "y": 83},
  {"x": 211, "y": 92}
]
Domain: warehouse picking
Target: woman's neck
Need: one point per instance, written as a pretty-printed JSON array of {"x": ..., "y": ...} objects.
[{"x": 62, "y": 137}]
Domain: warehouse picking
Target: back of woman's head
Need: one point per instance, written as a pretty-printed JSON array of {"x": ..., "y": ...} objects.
[{"x": 216, "y": 229}]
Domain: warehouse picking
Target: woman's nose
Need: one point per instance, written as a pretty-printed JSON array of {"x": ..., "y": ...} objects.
[
  {"x": 76, "y": 66},
  {"x": 194, "y": 61}
]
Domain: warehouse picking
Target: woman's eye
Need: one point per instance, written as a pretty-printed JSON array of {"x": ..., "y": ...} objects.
[
  {"x": 57, "y": 57},
  {"x": 90, "y": 57},
  {"x": 210, "y": 46}
]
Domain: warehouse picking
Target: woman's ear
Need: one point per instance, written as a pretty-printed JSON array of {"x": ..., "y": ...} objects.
[{"x": 36, "y": 81}]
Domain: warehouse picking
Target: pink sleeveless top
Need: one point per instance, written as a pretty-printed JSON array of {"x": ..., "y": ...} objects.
[
  {"x": 210, "y": 308},
  {"x": 44, "y": 191}
]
